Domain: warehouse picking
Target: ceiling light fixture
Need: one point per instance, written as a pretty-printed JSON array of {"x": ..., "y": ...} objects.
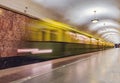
[{"x": 95, "y": 20}]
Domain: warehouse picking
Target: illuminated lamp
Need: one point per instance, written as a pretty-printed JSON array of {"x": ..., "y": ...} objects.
[{"x": 95, "y": 20}]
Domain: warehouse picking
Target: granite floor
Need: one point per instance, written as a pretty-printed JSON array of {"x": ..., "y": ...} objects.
[
  {"x": 27, "y": 71},
  {"x": 101, "y": 67}
]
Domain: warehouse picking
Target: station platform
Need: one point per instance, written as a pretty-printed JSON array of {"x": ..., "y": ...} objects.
[{"x": 96, "y": 67}]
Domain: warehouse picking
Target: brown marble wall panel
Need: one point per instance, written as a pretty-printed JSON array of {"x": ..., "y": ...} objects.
[{"x": 12, "y": 32}]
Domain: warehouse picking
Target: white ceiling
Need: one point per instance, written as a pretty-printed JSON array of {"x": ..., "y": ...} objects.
[{"x": 81, "y": 12}]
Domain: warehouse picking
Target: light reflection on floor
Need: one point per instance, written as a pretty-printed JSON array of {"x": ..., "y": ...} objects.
[{"x": 103, "y": 67}]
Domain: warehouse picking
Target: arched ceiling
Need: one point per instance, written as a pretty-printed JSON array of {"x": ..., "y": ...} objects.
[{"x": 81, "y": 12}]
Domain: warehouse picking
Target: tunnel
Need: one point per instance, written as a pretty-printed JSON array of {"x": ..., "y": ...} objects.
[{"x": 59, "y": 41}]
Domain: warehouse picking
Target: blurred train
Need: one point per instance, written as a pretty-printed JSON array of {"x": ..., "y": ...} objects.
[
  {"x": 25, "y": 39},
  {"x": 49, "y": 39},
  {"x": 23, "y": 35}
]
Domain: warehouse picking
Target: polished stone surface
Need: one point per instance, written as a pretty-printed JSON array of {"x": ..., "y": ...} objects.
[
  {"x": 101, "y": 67},
  {"x": 40, "y": 68}
]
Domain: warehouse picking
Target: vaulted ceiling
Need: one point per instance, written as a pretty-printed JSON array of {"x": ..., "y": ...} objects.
[{"x": 80, "y": 13}]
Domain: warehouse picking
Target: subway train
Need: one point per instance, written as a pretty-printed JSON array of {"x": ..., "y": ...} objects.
[
  {"x": 25, "y": 39},
  {"x": 50, "y": 39}
]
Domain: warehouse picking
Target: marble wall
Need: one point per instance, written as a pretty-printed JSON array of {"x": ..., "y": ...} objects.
[{"x": 12, "y": 32}]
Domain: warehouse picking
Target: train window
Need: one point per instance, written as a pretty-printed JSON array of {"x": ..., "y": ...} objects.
[
  {"x": 43, "y": 35},
  {"x": 53, "y": 35}
]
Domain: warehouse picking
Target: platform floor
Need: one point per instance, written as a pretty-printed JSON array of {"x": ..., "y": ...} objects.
[{"x": 96, "y": 67}]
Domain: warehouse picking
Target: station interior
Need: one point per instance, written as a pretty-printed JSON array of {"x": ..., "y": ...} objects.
[{"x": 59, "y": 41}]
